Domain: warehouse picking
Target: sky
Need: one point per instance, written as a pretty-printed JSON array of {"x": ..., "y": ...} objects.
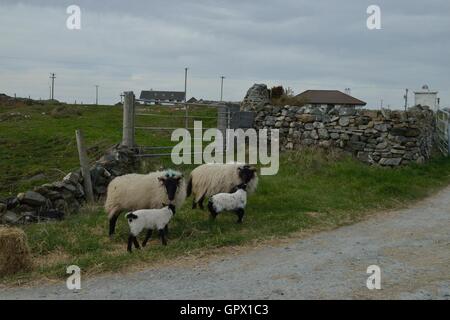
[{"x": 141, "y": 45}]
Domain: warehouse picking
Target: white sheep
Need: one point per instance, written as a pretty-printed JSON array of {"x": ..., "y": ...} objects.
[
  {"x": 212, "y": 178},
  {"x": 149, "y": 219},
  {"x": 143, "y": 191},
  {"x": 235, "y": 201}
]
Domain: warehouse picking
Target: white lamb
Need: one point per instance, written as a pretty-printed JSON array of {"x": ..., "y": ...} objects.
[
  {"x": 235, "y": 201},
  {"x": 213, "y": 178},
  {"x": 143, "y": 191},
  {"x": 149, "y": 219}
]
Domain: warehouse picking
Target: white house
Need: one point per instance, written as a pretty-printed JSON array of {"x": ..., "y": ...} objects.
[{"x": 426, "y": 97}]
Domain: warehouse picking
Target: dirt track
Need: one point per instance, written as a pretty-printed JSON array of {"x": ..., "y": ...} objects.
[{"x": 411, "y": 246}]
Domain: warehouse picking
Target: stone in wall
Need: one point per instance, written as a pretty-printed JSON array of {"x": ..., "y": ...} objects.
[
  {"x": 381, "y": 137},
  {"x": 257, "y": 96}
]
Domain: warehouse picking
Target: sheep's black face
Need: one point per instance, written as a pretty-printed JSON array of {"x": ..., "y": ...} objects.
[
  {"x": 246, "y": 174},
  {"x": 171, "y": 185}
]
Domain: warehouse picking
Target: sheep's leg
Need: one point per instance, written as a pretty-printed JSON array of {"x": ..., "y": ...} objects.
[
  {"x": 194, "y": 204},
  {"x": 212, "y": 211},
  {"x": 136, "y": 243},
  {"x": 163, "y": 237},
  {"x": 166, "y": 230},
  {"x": 240, "y": 212},
  {"x": 147, "y": 237},
  {"x": 130, "y": 243},
  {"x": 113, "y": 215},
  {"x": 200, "y": 202}
]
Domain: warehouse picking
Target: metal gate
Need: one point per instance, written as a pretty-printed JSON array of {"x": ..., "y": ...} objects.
[
  {"x": 442, "y": 131},
  {"x": 159, "y": 121}
]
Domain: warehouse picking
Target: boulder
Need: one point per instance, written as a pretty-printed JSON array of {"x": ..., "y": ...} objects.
[
  {"x": 32, "y": 198},
  {"x": 390, "y": 161}
]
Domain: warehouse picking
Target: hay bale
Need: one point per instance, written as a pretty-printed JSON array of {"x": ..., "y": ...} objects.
[{"x": 14, "y": 251}]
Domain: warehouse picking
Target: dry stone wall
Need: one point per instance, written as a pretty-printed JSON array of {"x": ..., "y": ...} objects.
[
  {"x": 55, "y": 200},
  {"x": 383, "y": 137}
]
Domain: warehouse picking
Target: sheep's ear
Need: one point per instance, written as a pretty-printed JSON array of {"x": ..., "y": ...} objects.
[{"x": 161, "y": 179}]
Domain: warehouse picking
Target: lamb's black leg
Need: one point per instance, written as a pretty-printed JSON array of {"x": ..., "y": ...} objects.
[
  {"x": 136, "y": 243},
  {"x": 166, "y": 230},
  {"x": 147, "y": 237},
  {"x": 194, "y": 204},
  {"x": 163, "y": 237},
  {"x": 212, "y": 211},
  {"x": 130, "y": 243},
  {"x": 200, "y": 202},
  {"x": 112, "y": 224},
  {"x": 240, "y": 213}
]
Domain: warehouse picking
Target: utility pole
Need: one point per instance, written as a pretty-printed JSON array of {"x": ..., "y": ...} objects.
[
  {"x": 52, "y": 76},
  {"x": 96, "y": 94},
  {"x": 221, "y": 87},
  {"x": 186, "y": 114},
  {"x": 406, "y": 99},
  {"x": 185, "y": 83}
]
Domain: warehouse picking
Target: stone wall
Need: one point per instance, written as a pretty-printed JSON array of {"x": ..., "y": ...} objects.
[
  {"x": 383, "y": 137},
  {"x": 55, "y": 200}
]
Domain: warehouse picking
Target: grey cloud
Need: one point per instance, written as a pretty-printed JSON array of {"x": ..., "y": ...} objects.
[{"x": 302, "y": 44}]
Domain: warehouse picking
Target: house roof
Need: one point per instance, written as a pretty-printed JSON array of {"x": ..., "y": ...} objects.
[
  {"x": 192, "y": 100},
  {"x": 329, "y": 97},
  {"x": 162, "y": 95}
]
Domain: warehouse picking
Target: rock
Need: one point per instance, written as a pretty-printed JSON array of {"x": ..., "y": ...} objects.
[
  {"x": 390, "y": 161},
  {"x": 306, "y": 118},
  {"x": 406, "y": 132},
  {"x": 344, "y": 121},
  {"x": 381, "y": 127},
  {"x": 73, "y": 177},
  {"x": 347, "y": 111},
  {"x": 9, "y": 217},
  {"x": 257, "y": 96},
  {"x": 323, "y": 133},
  {"x": 334, "y": 135},
  {"x": 32, "y": 198}
]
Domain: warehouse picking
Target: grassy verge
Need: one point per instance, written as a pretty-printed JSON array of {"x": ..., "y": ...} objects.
[{"x": 313, "y": 189}]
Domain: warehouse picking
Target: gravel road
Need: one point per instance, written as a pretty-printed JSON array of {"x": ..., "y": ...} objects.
[{"x": 411, "y": 246}]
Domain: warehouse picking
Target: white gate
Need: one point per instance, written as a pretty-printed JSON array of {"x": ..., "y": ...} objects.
[{"x": 442, "y": 131}]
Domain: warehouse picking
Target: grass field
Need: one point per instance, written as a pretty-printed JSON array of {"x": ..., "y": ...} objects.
[{"x": 314, "y": 189}]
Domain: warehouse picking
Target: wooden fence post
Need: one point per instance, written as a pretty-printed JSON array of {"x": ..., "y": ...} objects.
[
  {"x": 128, "y": 119},
  {"x": 85, "y": 170}
]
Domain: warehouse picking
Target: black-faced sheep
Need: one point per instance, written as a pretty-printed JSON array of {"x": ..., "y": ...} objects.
[
  {"x": 143, "y": 191},
  {"x": 149, "y": 219},
  {"x": 209, "y": 179},
  {"x": 235, "y": 201}
]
